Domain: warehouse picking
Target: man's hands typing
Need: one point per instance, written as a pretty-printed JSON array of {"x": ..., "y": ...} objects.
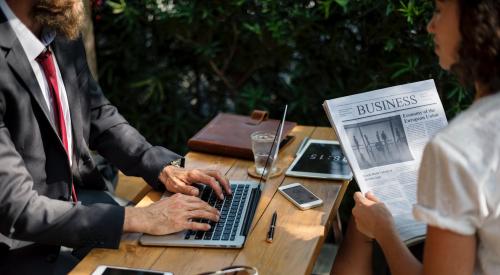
[
  {"x": 170, "y": 215},
  {"x": 180, "y": 180},
  {"x": 178, "y": 212}
]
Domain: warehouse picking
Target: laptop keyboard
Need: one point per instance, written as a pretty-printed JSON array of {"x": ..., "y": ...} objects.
[{"x": 230, "y": 208}]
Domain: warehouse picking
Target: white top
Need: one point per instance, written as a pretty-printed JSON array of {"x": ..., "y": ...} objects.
[
  {"x": 33, "y": 47},
  {"x": 459, "y": 180}
]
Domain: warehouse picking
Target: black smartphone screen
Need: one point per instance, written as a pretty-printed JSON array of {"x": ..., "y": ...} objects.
[{"x": 300, "y": 194}]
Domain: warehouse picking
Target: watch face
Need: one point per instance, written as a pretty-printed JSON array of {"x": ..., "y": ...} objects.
[{"x": 177, "y": 163}]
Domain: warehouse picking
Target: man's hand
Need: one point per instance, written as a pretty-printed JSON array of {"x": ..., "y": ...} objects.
[
  {"x": 179, "y": 180},
  {"x": 371, "y": 215},
  {"x": 170, "y": 215}
]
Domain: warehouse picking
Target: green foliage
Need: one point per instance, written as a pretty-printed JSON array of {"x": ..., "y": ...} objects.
[
  {"x": 413, "y": 11},
  {"x": 170, "y": 66}
]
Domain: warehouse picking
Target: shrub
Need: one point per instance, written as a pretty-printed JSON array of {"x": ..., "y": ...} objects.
[{"x": 170, "y": 66}]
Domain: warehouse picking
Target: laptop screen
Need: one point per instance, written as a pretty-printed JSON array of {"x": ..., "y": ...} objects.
[{"x": 273, "y": 152}]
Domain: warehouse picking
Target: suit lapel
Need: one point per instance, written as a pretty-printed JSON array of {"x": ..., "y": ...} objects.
[
  {"x": 6, "y": 34},
  {"x": 19, "y": 63},
  {"x": 67, "y": 68}
]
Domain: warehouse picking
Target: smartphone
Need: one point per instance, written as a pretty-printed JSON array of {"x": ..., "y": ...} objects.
[
  {"x": 115, "y": 270},
  {"x": 300, "y": 196}
]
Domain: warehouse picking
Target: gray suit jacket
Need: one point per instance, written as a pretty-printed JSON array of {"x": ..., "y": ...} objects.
[{"x": 35, "y": 174}]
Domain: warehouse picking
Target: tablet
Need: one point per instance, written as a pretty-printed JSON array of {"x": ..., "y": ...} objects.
[{"x": 322, "y": 159}]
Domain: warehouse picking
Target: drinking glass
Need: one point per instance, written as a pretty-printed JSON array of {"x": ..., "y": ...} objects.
[{"x": 261, "y": 147}]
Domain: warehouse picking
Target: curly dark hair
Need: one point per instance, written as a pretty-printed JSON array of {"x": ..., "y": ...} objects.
[{"x": 479, "y": 53}]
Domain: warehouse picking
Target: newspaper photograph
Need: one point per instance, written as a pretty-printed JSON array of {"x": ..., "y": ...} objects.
[{"x": 383, "y": 134}]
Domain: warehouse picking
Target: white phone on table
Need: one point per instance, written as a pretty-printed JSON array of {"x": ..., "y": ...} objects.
[
  {"x": 115, "y": 270},
  {"x": 300, "y": 196}
]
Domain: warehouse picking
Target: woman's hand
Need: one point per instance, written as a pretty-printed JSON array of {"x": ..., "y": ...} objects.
[{"x": 371, "y": 215}]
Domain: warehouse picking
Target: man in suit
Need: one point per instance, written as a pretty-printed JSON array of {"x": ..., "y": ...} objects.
[{"x": 52, "y": 113}]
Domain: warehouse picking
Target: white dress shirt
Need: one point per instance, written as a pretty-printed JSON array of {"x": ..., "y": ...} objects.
[
  {"x": 459, "y": 181},
  {"x": 33, "y": 47}
]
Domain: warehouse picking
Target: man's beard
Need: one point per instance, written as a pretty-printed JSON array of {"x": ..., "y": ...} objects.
[{"x": 65, "y": 17}]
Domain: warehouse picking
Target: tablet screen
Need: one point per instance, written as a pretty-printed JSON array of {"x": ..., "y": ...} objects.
[{"x": 321, "y": 159}]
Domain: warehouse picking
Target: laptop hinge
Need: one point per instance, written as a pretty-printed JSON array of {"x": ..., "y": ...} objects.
[{"x": 252, "y": 206}]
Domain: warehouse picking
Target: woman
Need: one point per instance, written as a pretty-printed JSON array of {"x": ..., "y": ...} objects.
[{"x": 459, "y": 181}]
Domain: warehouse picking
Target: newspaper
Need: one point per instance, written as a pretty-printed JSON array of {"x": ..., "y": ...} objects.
[{"x": 383, "y": 134}]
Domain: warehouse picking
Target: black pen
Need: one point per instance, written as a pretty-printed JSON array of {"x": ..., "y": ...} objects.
[{"x": 270, "y": 233}]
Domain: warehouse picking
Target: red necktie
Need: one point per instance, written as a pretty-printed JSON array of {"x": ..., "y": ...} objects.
[{"x": 46, "y": 61}]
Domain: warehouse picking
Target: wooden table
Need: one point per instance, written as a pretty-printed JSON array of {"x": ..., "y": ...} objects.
[{"x": 298, "y": 238}]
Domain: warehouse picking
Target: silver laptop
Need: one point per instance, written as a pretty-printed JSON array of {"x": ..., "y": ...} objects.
[{"x": 237, "y": 212}]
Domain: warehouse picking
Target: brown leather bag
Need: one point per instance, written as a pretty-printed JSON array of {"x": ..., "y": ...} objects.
[{"x": 229, "y": 134}]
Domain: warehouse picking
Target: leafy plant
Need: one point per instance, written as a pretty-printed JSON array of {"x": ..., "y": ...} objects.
[{"x": 171, "y": 65}]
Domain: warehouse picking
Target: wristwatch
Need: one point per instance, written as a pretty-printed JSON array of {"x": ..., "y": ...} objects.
[{"x": 178, "y": 163}]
